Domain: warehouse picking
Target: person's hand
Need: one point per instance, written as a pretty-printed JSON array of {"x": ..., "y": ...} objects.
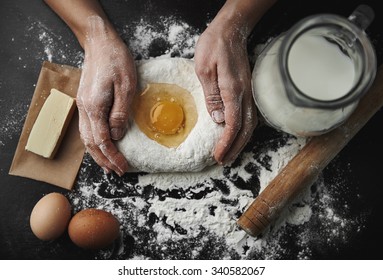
[
  {"x": 107, "y": 85},
  {"x": 223, "y": 69}
]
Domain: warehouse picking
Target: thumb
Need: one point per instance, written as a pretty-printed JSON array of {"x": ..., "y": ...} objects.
[
  {"x": 119, "y": 113},
  {"x": 213, "y": 98},
  {"x": 215, "y": 104}
]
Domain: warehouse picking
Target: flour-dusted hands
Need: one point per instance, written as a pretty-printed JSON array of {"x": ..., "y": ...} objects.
[
  {"x": 105, "y": 93},
  {"x": 109, "y": 79},
  {"x": 223, "y": 69}
]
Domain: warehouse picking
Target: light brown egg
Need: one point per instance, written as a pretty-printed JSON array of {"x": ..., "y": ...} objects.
[
  {"x": 166, "y": 113},
  {"x": 50, "y": 216},
  {"x": 93, "y": 229}
]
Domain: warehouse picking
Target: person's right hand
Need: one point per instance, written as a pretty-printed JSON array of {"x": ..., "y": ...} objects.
[
  {"x": 223, "y": 68},
  {"x": 106, "y": 90}
]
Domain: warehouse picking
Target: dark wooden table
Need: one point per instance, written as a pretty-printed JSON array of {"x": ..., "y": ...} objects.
[{"x": 23, "y": 50}]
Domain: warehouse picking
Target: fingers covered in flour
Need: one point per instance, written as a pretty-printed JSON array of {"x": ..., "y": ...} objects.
[
  {"x": 103, "y": 143},
  {"x": 88, "y": 140},
  {"x": 223, "y": 69},
  {"x": 207, "y": 73},
  {"x": 94, "y": 129},
  {"x": 106, "y": 89},
  {"x": 249, "y": 122},
  {"x": 124, "y": 90},
  {"x": 240, "y": 115}
]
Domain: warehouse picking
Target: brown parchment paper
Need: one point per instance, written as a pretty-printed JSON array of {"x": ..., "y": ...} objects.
[{"x": 62, "y": 170}]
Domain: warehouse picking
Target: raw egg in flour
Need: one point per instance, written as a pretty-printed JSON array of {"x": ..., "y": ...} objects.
[{"x": 166, "y": 113}]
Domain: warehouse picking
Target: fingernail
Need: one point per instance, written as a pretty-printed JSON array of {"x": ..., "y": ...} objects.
[
  {"x": 218, "y": 116},
  {"x": 116, "y": 133},
  {"x": 229, "y": 161},
  {"x": 120, "y": 173},
  {"x": 219, "y": 160}
]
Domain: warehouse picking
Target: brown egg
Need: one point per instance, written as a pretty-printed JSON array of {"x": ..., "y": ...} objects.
[
  {"x": 93, "y": 229},
  {"x": 50, "y": 216}
]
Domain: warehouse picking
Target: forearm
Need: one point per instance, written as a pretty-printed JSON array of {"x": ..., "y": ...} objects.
[
  {"x": 85, "y": 18},
  {"x": 243, "y": 14}
]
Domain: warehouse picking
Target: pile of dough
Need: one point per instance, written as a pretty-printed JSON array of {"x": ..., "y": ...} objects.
[{"x": 196, "y": 152}]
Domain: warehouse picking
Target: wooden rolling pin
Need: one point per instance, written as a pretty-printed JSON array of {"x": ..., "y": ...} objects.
[{"x": 303, "y": 170}]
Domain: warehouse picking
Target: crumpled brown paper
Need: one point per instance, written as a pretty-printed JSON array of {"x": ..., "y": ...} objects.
[{"x": 62, "y": 170}]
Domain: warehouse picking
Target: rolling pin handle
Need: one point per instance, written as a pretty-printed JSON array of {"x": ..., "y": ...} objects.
[{"x": 255, "y": 219}]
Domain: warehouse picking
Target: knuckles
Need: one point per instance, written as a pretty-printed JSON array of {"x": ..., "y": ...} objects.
[
  {"x": 204, "y": 72},
  {"x": 117, "y": 119}
]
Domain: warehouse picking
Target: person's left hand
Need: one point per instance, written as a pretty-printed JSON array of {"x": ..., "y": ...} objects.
[{"x": 223, "y": 68}]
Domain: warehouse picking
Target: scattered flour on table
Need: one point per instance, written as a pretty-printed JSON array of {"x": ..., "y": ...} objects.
[
  {"x": 193, "y": 216},
  {"x": 165, "y": 36},
  {"x": 53, "y": 46},
  {"x": 12, "y": 123}
]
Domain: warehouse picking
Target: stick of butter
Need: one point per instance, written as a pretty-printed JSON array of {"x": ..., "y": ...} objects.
[{"x": 51, "y": 124}]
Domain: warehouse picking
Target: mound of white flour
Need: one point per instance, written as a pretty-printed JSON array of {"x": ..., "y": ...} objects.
[{"x": 196, "y": 152}]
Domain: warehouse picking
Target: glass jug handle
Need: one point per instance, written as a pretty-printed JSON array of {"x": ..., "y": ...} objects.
[{"x": 362, "y": 16}]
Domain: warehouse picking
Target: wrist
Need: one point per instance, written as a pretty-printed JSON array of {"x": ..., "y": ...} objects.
[
  {"x": 95, "y": 31},
  {"x": 242, "y": 15}
]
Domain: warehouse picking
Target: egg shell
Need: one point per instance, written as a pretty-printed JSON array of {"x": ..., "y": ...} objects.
[
  {"x": 50, "y": 216},
  {"x": 93, "y": 229}
]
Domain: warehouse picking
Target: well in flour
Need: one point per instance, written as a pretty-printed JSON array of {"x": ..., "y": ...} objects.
[
  {"x": 196, "y": 151},
  {"x": 165, "y": 112}
]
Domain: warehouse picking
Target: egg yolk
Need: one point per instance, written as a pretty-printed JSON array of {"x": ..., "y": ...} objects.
[
  {"x": 167, "y": 117},
  {"x": 166, "y": 113}
]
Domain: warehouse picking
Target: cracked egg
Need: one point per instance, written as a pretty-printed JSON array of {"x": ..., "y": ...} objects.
[{"x": 166, "y": 113}]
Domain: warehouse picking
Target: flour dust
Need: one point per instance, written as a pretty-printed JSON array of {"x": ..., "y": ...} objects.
[
  {"x": 54, "y": 47},
  {"x": 12, "y": 123},
  {"x": 193, "y": 216},
  {"x": 164, "y": 36}
]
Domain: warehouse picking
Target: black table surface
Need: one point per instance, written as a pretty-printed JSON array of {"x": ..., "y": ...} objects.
[{"x": 22, "y": 53}]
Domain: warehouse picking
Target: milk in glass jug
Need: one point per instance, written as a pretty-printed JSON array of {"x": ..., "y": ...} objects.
[{"x": 309, "y": 79}]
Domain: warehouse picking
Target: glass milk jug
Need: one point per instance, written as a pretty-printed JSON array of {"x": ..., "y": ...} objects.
[{"x": 309, "y": 79}]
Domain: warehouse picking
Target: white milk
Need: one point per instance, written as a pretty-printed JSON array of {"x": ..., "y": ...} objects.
[
  {"x": 270, "y": 95},
  {"x": 319, "y": 68}
]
